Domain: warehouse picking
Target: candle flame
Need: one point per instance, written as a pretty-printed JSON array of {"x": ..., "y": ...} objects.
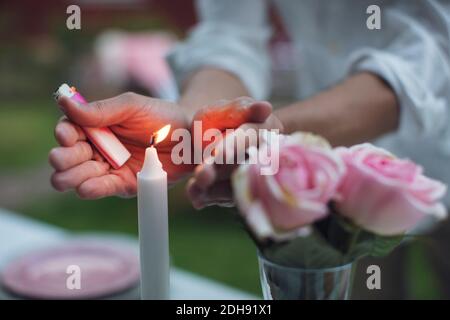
[{"x": 160, "y": 135}]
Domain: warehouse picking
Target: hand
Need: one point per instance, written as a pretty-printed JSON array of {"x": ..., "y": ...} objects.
[
  {"x": 133, "y": 118},
  {"x": 210, "y": 184}
]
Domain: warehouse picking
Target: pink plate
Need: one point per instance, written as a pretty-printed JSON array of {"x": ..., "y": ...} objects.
[{"x": 49, "y": 274}]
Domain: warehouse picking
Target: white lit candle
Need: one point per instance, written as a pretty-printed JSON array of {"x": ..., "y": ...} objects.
[{"x": 153, "y": 223}]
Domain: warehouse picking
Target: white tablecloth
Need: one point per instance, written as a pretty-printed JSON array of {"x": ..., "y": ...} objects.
[{"x": 19, "y": 234}]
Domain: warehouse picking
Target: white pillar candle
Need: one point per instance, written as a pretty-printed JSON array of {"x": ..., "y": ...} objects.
[{"x": 153, "y": 228}]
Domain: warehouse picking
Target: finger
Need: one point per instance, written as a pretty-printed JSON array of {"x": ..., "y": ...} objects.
[
  {"x": 97, "y": 156},
  {"x": 234, "y": 145},
  {"x": 75, "y": 176},
  {"x": 204, "y": 175},
  {"x": 232, "y": 148},
  {"x": 259, "y": 111},
  {"x": 64, "y": 158},
  {"x": 234, "y": 113},
  {"x": 220, "y": 203},
  {"x": 104, "y": 186},
  {"x": 223, "y": 172},
  {"x": 229, "y": 152},
  {"x": 68, "y": 133},
  {"x": 193, "y": 192},
  {"x": 102, "y": 113},
  {"x": 256, "y": 127},
  {"x": 231, "y": 115},
  {"x": 226, "y": 156},
  {"x": 218, "y": 194}
]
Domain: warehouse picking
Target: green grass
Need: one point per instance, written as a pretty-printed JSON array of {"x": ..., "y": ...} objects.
[
  {"x": 213, "y": 243},
  {"x": 26, "y": 133},
  {"x": 422, "y": 281}
]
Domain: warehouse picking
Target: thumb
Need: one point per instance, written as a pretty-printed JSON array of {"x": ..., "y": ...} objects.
[
  {"x": 101, "y": 113},
  {"x": 259, "y": 111}
]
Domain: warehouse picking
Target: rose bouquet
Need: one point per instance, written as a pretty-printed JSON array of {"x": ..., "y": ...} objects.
[{"x": 326, "y": 208}]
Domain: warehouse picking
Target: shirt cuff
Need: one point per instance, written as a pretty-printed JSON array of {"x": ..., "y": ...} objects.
[{"x": 421, "y": 112}]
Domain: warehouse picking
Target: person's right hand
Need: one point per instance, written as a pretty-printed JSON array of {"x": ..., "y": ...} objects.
[{"x": 133, "y": 118}]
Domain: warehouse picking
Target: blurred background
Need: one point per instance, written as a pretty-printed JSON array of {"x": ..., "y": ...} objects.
[{"x": 38, "y": 53}]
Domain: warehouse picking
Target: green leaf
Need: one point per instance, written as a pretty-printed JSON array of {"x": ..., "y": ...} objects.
[
  {"x": 382, "y": 246},
  {"x": 370, "y": 244},
  {"x": 310, "y": 252}
]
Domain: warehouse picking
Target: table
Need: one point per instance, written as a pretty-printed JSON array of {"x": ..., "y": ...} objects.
[{"x": 19, "y": 234}]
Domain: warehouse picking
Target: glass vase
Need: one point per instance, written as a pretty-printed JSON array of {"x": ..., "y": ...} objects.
[{"x": 286, "y": 283}]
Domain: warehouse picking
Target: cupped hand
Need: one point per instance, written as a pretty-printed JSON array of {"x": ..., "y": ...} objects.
[
  {"x": 133, "y": 118},
  {"x": 210, "y": 184}
]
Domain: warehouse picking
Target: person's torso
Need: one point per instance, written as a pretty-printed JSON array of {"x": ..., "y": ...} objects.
[{"x": 325, "y": 34}]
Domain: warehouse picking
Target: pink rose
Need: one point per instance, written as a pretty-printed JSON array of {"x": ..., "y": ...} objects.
[
  {"x": 278, "y": 206},
  {"x": 384, "y": 194}
]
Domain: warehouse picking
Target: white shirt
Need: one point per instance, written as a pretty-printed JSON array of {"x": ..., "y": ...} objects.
[{"x": 411, "y": 52}]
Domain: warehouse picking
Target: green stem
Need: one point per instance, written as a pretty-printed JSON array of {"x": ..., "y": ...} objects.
[{"x": 352, "y": 243}]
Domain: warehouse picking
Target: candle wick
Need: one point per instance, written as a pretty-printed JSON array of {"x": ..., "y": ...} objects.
[{"x": 152, "y": 140}]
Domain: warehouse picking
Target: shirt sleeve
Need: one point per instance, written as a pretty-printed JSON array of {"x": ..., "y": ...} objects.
[
  {"x": 231, "y": 35},
  {"x": 416, "y": 64}
]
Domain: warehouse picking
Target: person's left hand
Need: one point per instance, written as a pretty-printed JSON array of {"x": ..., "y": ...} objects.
[{"x": 210, "y": 184}]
